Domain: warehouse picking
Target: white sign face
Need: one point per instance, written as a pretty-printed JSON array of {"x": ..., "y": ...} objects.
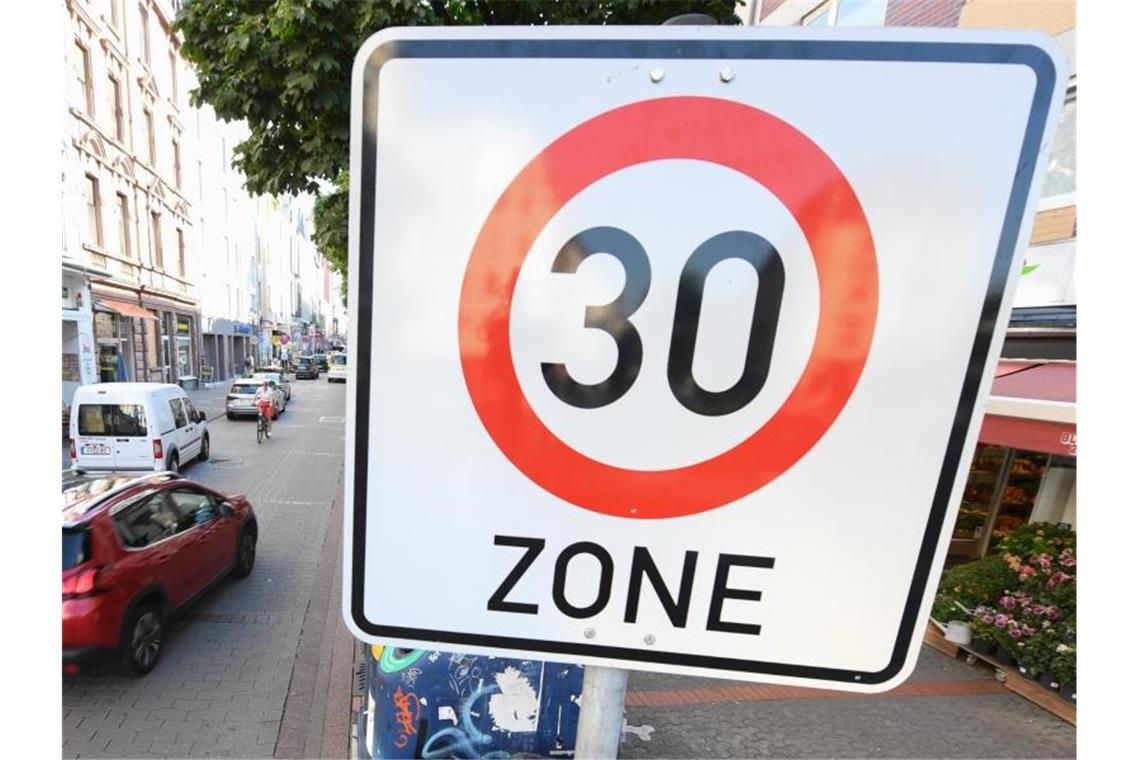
[{"x": 668, "y": 342}]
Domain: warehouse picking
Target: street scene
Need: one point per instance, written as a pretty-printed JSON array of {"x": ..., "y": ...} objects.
[{"x": 519, "y": 379}]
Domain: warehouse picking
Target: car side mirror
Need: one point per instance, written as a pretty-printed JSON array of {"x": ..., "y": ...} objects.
[
  {"x": 226, "y": 509},
  {"x": 201, "y": 416}
]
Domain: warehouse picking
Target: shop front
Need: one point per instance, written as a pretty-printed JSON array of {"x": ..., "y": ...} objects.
[
  {"x": 78, "y": 344},
  {"x": 1025, "y": 466},
  {"x": 225, "y": 344}
]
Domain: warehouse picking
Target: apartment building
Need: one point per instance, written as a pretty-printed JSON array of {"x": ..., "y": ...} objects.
[{"x": 130, "y": 295}]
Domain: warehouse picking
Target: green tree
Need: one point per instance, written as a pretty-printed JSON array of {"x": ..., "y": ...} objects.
[{"x": 285, "y": 67}]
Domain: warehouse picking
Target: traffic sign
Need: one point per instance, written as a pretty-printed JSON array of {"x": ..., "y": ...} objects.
[{"x": 671, "y": 344}]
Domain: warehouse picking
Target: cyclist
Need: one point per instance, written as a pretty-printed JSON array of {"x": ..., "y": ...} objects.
[{"x": 264, "y": 400}]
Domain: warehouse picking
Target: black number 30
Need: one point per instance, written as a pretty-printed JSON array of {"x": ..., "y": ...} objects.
[{"x": 614, "y": 319}]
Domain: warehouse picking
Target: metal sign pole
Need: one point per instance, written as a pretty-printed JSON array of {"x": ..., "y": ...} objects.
[{"x": 601, "y": 713}]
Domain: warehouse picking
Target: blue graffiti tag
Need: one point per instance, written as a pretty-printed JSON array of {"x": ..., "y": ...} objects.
[{"x": 465, "y": 743}]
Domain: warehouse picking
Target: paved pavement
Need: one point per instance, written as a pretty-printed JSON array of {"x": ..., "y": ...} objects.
[
  {"x": 234, "y": 677},
  {"x": 947, "y": 709}
]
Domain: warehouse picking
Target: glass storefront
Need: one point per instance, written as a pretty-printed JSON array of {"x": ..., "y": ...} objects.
[
  {"x": 182, "y": 325},
  {"x": 1002, "y": 494},
  {"x": 113, "y": 341}
]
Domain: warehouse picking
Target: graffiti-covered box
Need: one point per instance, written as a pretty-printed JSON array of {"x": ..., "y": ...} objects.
[{"x": 432, "y": 704}]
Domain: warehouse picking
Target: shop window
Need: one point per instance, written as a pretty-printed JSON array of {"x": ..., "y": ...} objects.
[
  {"x": 183, "y": 347},
  {"x": 1000, "y": 494},
  {"x": 71, "y": 368}
]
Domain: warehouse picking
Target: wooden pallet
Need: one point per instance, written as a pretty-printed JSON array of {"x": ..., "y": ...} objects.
[{"x": 1013, "y": 680}]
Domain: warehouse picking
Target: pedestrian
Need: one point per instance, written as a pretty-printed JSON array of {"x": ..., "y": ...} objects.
[{"x": 248, "y": 365}]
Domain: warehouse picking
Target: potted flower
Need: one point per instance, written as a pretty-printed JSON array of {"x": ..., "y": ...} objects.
[
  {"x": 985, "y": 639},
  {"x": 1064, "y": 667}
]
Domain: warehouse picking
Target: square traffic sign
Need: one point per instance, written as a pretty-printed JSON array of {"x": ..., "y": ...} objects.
[{"x": 668, "y": 342}]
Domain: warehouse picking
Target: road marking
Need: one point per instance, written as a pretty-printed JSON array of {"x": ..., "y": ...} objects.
[{"x": 333, "y": 420}]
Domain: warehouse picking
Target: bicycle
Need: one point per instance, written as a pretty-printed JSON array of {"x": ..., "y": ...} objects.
[{"x": 262, "y": 426}]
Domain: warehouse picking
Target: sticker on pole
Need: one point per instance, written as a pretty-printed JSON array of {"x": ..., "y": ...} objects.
[{"x": 659, "y": 368}]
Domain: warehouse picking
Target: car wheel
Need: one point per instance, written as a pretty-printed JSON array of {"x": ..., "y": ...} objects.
[
  {"x": 172, "y": 462},
  {"x": 204, "y": 454},
  {"x": 247, "y": 553},
  {"x": 142, "y": 640},
  {"x": 229, "y": 416}
]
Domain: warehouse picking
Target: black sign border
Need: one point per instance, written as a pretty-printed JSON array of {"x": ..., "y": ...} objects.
[{"x": 885, "y": 51}]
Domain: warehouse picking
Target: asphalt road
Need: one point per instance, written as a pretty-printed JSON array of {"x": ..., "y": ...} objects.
[{"x": 235, "y": 659}]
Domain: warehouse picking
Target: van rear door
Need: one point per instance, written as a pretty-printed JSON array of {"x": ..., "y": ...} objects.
[
  {"x": 134, "y": 449},
  {"x": 112, "y": 436},
  {"x": 95, "y": 437}
]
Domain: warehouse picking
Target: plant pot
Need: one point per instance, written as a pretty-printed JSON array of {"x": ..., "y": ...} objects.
[
  {"x": 1003, "y": 656},
  {"x": 1069, "y": 692},
  {"x": 985, "y": 648},
  {"x": 1048, "y": 681}
]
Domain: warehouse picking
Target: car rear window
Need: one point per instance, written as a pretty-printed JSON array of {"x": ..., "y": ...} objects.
[
  {"x": 341, "y": 359},
  {"x": 244, "y": 390},
  {"x": 112, "y": 419},
  {"x": 76, "y": 547}
]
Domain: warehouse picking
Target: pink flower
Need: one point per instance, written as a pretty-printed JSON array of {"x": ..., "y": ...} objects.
[
  {"x": 1051, "y": 614},
  {"x": 1069, "y": 562},
  {"x": 1000, "y": 621},
  {"x": 988, "y": 618},
  {"x": 1014, "y": 633},
  {"x": 1007, "y": 602}
]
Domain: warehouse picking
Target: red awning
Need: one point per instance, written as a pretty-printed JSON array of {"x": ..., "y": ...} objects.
[
  {"x": 127, "y": 309},
  {"x": 1032, "y": 406},
  {"x": 1045, "y": 381}
]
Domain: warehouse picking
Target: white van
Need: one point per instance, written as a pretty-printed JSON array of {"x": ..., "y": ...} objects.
[
  {"x": 135, "y": 426},
  {"x": 338, "y": 367}
]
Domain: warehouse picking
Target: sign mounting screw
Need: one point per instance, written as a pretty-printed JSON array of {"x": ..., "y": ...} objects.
[
  {"x": 588, "y": 633},
  {"x": 656, "y": 74},
  {"x": 650, "y": 639},
  {"x": 727, "y": 74}
]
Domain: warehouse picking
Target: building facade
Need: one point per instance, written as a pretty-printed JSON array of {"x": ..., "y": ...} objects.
[
  {"x": 129, "y": 266},
  {"x": 171, "y": 272}
]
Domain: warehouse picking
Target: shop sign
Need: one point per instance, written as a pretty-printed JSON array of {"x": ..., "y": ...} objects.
[
  {"x": 686, "y": 382},
  {"x": 1048, "y": 276}
]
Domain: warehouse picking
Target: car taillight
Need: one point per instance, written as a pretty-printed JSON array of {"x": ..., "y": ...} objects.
[
  {"x": 157, "y": 448},
  {"x": 82, "y": 583},
  {"x": 71, "y": 447}
]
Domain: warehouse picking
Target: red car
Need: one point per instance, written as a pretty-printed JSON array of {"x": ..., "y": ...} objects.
[{"x": 135, "y": 550}]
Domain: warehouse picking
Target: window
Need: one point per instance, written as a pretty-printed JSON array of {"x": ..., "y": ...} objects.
[
  {"x": 116, "y": 108},
  {"x": 76, "y": 547},
  {"x": 124, "y": 226},
  {"x": 156, "y": 239},
  {"x": 174, "y": 77},
  {"x": 112, "y": 419},
  {"x": 192, "y": 507},
  {"x": 191, "y": 412},
  {"x": 179, "y": 412},
  {"x": 181, "y": 253},
  {"x": 244, "y": 390},
  {"x": 147, "y": 521},
  {"x": 847, "y": 13},
  {"x": 176, "y": 153},
  {"x": 114, "y": 13},
  {"x": 1061, "y": 171},
  {"x": 83, "y": 78},
  {"x": 144, "y": 33},
  {"x": 94, "y": 211},
  {"x": 148, "y": 118}
]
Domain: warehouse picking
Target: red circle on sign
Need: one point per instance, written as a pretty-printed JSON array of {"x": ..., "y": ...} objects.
[{"x": 740, "y": 137}]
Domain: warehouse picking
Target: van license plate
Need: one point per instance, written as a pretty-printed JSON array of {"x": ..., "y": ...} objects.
[{"x": 96, "y": 449}]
